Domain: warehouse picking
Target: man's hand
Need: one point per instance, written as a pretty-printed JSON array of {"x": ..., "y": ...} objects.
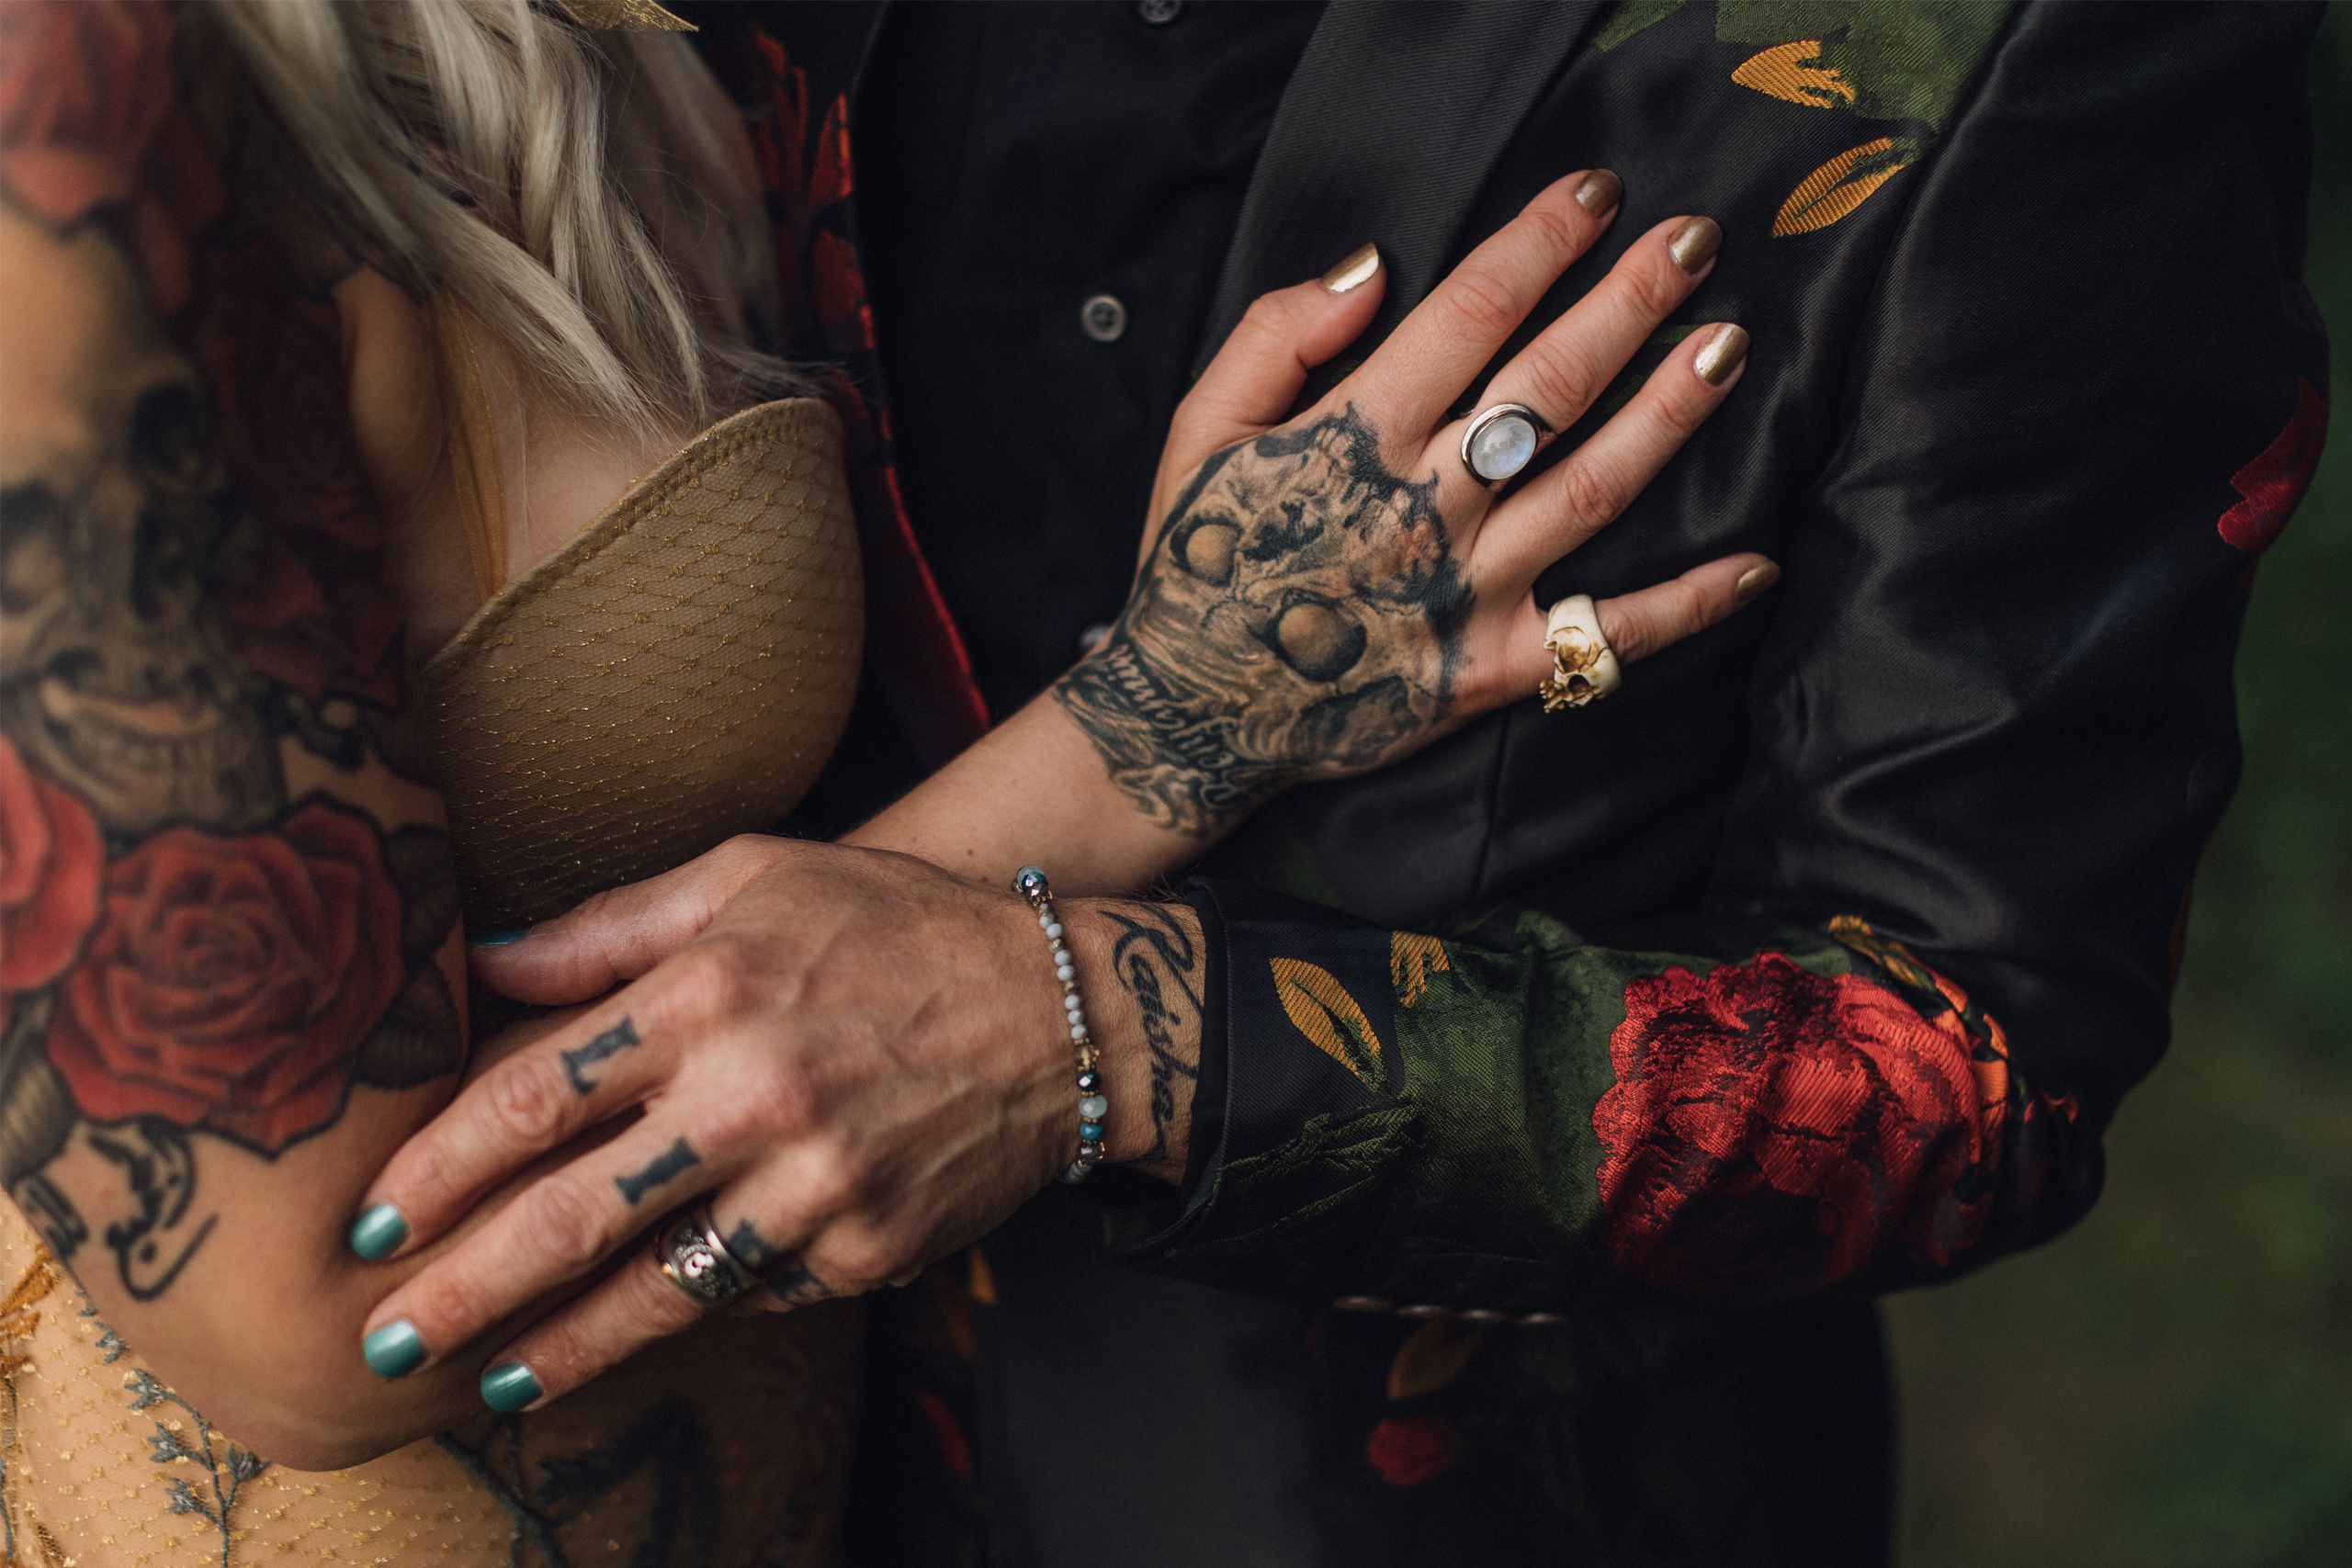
[{"x": 860, "y": 1060}]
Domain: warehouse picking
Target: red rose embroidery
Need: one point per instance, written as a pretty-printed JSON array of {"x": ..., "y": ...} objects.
[
  {"x": 1773, "y": 1128},
  {"x": 85, "y": 85},
  {"x": 234, "y": 978},
  {"x": 2274, "y": 483},
  {"x": 51, "y": 858},
  {"x": 320, "y": 619},
  {"x": 1408, "y": 1450}
]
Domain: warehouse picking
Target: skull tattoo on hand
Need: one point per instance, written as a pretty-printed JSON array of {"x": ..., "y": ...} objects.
[{"x": 1300, "y": 616}]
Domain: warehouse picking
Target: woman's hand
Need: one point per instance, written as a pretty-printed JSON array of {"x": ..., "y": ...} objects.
[{"x": 1327, "y": 593}]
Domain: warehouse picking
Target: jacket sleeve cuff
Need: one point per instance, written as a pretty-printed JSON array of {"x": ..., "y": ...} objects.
[{"x": 1298, "y": 1128}]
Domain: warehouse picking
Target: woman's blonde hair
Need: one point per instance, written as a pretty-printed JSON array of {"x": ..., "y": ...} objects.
[{"x": 588, "y": 195}]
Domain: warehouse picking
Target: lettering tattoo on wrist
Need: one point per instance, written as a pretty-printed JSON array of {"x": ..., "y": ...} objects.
[
  {"x": 679, "y": 1158},
  {"x": 1299, "y": 615},
  {"x": 783, "y": 1272},
  {"x": 618, "y": 1038},
  {"x": 1158, "y": 963}
]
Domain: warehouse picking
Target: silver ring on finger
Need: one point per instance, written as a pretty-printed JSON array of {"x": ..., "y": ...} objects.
[
  {"x": 1500, "y": 441},
  {"x": 1584, "y": 667},
  {"x": 694, "y": 1259}
]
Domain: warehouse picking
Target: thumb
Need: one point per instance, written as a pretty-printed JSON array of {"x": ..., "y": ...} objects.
[{"x": 620, "y": 935}]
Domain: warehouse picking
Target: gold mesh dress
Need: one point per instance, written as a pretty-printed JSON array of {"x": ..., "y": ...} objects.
[{"x": 675, "y": 675}]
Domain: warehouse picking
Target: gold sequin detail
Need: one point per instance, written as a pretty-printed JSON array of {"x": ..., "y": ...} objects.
[{"x": 769, "y": 1402}]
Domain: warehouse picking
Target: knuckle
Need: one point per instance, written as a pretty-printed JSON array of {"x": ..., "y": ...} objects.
[
  {"x": 1560, "y": 382},
  {"x": 1553, "y": 226},
  {"x": 857, "y": 1261},
  {"x": 530, "y": 1101},
  {"x": 1587, "y": 495},
  {"x": 568, "y": 1221},
  {"x": 711, "y": 981},
  {"x": 1656, "y": 287},
  {"x": 1483, "y": 300},
  {"x": 830, "y": 1181}
]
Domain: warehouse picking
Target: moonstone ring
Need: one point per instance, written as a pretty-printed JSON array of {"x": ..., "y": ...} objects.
[{"x": 1500, "y": 441}]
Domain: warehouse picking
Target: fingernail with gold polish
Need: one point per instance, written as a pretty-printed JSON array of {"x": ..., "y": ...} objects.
[
  {"x": 1600, "y": 193},
  {"x": 1358, "y": 266},
  {"x": 1756, "y": 579},
  {"x": 1720, "y": 354},
  {"x": 1695, "y": 244}
]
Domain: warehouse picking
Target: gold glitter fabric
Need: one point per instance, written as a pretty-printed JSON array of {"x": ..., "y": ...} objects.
[
  {"x": 726, "y": 1446},
  {"x": 677, "y": 673}
]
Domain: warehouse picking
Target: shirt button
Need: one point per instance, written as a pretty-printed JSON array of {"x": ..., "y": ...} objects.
[
  {"x": 1104, "y": 318},
  {"x": 1159, "y": 13}
]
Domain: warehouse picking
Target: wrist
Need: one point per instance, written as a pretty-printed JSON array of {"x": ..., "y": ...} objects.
[{"x": 1140, "y": 967}]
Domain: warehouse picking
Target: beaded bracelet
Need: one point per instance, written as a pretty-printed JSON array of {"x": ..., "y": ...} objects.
[{"x": 1093, "y": 1106}]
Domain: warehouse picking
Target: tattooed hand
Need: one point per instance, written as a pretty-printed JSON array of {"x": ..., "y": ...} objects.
[
  {"x": 1326, "y": 595},
  {"x": 850, "y": 1114}
]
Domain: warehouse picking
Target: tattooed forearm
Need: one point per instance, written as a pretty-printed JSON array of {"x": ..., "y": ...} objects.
[
  {"x": 1299, "y": 615},
  {"x": 679, "y": 1158},
  {"x": 782, "y": 1271},
  {"x": 619, "y": 1037},
  {"x": 1157, "y": 961}
]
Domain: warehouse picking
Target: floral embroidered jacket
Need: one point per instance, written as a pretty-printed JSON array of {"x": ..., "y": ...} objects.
[{"x": 1818, "y": 958}]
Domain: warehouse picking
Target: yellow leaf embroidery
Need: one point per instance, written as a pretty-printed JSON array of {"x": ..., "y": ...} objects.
[
  {"x": 1327, "y": 1015},
  {"x": 1834, "y": 189},
  {"x": 1411, "y": 957},
  {"x": 982, "y": 1282},
  {"x": 1432, "y": 1357},
  {"x": 1782, "y": 73}
]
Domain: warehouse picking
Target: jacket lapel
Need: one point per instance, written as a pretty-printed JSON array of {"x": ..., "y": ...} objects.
[{"x": 1386, "y": 131}]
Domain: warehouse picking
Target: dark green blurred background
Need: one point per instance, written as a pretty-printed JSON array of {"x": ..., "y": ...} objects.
[{"x": 2171, "y": 1384}]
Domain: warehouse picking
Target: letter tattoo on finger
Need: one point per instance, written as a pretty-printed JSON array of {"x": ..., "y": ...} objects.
[
  {"x": 678, "y": 1160},
  {"x": 618, "y": 1038},
  {"x": 782, "y": 1271}
]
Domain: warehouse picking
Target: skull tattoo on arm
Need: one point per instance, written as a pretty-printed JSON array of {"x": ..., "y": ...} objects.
[
  {"x": 1300, "y": 616},
  {"x": 188, "y": 944}
]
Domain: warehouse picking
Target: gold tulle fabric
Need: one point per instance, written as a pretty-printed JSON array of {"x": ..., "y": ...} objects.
[{"x": 676, "y": 674}]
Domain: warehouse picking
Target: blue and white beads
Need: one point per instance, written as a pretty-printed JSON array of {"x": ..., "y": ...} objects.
[{"x": 1093, "y": 1107}]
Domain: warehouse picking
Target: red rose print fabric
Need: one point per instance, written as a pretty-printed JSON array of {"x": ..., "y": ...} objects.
[
  {"x": 1776, "y": 1129},
  {"x": 234, "y": 978},
  {"x": 2274, "y": 483},
  {"x": 51, "y": 857},
  {"x": 320, "y": 619},
  {"x": 1406, "y": 1450}
]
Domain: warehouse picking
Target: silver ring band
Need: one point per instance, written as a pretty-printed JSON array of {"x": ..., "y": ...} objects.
[
  {"x": 1501, "y": 441},
  {"x": 694, "y": 1259}
]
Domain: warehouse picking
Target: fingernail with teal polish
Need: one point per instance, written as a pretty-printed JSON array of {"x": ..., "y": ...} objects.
[
  {"x": 378, "y": 1234},
  {"x": 394, "y": 1351},
  {"x": 509, "y": 1386},
  {"x": 498, "y": 939}
]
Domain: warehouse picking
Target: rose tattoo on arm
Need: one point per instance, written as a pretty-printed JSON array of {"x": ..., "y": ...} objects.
[
  {"x": 188, "y": 945},
  {"x": 1300, "y": 614}
]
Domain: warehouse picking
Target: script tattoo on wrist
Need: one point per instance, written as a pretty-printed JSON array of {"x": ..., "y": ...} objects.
[
  {"x": 619, "y": 1037},
  {"x": 671, "y": 1163},
  {"x": 1158, "y": 963},
  {"x": 783, "y": 1272},
  {"x": 1299, "y": 615}
]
